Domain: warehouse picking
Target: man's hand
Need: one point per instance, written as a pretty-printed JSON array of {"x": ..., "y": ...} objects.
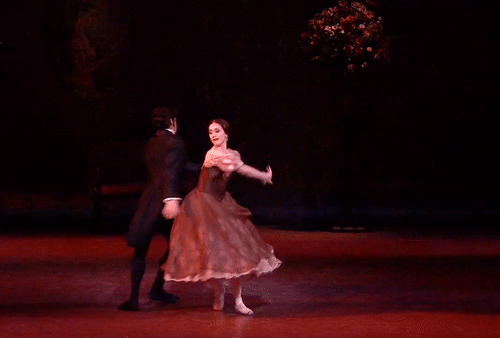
[{"x": 171, "y": 209}]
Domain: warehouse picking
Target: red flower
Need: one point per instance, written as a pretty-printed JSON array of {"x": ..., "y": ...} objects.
[{"x": 347, "y": 23}]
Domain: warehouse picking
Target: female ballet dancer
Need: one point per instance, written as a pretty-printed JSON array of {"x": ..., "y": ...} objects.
[{"x": 212, "y": 237}]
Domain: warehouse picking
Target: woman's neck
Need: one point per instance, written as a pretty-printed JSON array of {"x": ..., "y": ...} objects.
[{"x": 222, "y": 148}]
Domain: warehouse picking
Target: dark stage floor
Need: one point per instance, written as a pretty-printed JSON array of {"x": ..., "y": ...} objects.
[{"x": 368, "y": 284}]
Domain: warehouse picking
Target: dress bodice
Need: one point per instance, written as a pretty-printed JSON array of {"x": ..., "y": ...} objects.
[{"x": 213, "y": 182}]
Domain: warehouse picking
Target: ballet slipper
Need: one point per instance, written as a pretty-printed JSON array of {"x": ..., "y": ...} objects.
[{"x": 240, "y": 307}]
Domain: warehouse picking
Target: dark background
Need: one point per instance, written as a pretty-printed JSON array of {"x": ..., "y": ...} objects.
[{"x": 424, "y": 129}]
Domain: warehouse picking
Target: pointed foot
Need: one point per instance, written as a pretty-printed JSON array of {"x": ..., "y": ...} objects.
[{"x": 241, "y": 308}]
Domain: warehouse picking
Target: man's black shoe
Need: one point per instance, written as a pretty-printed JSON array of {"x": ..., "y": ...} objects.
[
  {"x": 129, "y": 306},
  {"x": 164, "y": 297}
]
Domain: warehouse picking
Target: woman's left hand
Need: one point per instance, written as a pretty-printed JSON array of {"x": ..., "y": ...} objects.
[{"x": 268, "y": 176}]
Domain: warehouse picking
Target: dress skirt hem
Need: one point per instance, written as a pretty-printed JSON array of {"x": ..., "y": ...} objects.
[{"x": 264, "y": 266}]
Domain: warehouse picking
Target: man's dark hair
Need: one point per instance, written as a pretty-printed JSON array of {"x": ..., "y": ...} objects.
[
  {"x": 80, "y": 8},
  {"x": 161, "y": 116}
]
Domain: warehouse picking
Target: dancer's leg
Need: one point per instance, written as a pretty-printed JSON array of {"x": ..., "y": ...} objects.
[
  {"x": 137, "y": 270},
  {"x": 157, "y": 292},
  {"x": 218, "y": 286},
  {"x": 238, "y": 301},
  {"x": 159, "y": 281}
]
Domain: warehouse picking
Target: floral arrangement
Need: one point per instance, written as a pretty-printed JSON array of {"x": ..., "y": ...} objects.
[{"x": 348, "y": 35}]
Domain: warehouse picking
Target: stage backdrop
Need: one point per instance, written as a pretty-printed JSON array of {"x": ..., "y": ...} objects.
[{"x": 424, "y": 129}]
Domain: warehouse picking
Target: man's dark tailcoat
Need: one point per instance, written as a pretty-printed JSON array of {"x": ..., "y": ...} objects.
[{"x": 165, "y": 158}]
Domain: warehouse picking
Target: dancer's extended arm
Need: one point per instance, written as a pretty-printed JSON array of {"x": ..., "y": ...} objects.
[{"x": 264, "y": 176}]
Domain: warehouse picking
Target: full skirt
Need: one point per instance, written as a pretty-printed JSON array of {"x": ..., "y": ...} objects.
[{"x": 214, "y": 239}]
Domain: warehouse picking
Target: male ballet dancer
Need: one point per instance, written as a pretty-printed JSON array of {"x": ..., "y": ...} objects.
[{"x": 165, "y": 158}]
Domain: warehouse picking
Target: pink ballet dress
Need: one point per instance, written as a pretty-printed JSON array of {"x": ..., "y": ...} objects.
[{"x": 213, "y": 237}]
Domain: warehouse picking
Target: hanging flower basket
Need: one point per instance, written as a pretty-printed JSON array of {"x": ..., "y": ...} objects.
[{"x": 347, "y": 35}]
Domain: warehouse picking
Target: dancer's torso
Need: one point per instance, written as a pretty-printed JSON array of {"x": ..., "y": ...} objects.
[{"x": 213, "y": 182}]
